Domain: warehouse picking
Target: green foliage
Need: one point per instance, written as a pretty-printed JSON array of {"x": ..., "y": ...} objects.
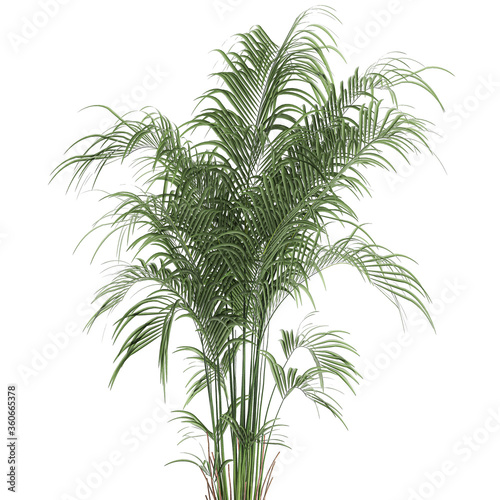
[{"x": 224, "y": 229}]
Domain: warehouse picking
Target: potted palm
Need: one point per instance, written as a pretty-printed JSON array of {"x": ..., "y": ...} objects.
[{"x": 232, "y": 215}]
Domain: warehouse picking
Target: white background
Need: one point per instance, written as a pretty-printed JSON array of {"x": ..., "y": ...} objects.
[{"x": 429, "y": 400}]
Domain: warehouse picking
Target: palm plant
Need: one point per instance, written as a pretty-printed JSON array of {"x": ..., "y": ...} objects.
[{"x": 225, "y": 226}]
